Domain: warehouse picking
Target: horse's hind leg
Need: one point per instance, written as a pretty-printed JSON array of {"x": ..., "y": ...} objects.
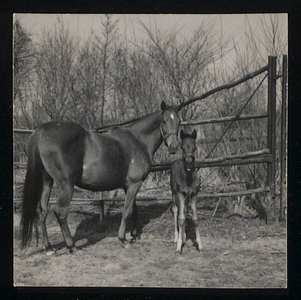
[
  {"x": 196, "y": 223},
  {"x": 42, "y": 211},
  {"x": 65, "y": 191}
]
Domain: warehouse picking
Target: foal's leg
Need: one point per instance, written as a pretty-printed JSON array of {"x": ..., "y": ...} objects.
[
  {"x": 184, "y": 225},
  {"x": 175, "y": 214},
  {"x": 196, "y": 222},
  {"x": 42, "y": 211},
  {"x": 135, "y": 221},
  {"x": 131, "y": 193},
  {"x": 65, "y": 191},
  {"x": 181, "y": 221}
]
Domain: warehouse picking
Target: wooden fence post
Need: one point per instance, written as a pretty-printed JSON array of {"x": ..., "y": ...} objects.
[
  {"x": 283, "y": 140},
  {"x": 272, "y": 133}
]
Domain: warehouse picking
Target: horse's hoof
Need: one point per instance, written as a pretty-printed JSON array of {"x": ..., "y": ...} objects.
[
  {"x": 122, "y": 241},
  {"x": 73, "y": 250},
  {"x": 136, "y": 236},
  {"x": 49, "y": 252},
  {"x": 133, "y": 239}
]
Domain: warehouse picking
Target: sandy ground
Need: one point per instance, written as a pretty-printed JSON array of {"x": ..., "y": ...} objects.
[{"x": 238, "y": 253}]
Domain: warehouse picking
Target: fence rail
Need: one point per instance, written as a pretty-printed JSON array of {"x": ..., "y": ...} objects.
[
  {"x": 223, "y": 120},
  {"x": 261, "y": 156},
  {"x": 87, "y": 201}
]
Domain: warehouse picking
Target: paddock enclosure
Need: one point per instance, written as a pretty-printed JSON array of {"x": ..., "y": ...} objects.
[{"x": 240, "y": 249}]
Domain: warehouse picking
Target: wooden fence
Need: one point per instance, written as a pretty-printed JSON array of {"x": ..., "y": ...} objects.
[{"x": 267, "y": 156}]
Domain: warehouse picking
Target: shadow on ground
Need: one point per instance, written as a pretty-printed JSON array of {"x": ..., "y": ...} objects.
[{"x": 92, "y": 230}]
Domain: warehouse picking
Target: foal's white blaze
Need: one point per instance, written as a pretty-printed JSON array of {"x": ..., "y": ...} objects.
[
  {"x": 84, "y": 167},
  {"x": 132, "y": 161},
  {"x": 172, "y": 116}
]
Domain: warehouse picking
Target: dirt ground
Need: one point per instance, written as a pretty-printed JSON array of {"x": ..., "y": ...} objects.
[{"x": 238, "y": 253}]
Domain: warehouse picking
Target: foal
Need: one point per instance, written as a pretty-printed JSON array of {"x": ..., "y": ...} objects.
[{"x": 184, "y": 186}]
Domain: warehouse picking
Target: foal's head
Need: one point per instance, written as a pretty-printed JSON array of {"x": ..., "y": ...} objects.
[
  {"x": 169, "y": 126},
  {"x": 189, "y": 148}
]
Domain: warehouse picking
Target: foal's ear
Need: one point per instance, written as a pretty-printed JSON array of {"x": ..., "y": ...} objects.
[
  {"x": 194, "y": 134},
  {"x": 182, "y": 134},
  {"x": 163, "y": 105}
]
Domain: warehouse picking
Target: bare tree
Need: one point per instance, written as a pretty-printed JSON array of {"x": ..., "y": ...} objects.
[
  {"x": 184, "y": 62},
  {"x": 56, "y": 75},
  {"x": 106, "y": 46},
  {"x": 24, "y": 67},
  {"x": 24, "y": 113}
]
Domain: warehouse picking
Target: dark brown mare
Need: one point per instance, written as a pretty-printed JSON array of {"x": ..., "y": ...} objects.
[
  {"x": 70, "y": 155},
  {"x": 184, "y": 186}
]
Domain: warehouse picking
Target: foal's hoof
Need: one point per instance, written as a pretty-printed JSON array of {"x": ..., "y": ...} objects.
[
  {"x": 135, "y": 234},
  {"x": 200, "y": 248},
  {"x": 179, "y": 251}
]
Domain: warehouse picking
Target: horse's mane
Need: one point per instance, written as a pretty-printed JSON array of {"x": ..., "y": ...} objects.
[
  {"x": 112, "y": 126},
  {"x": 106, "y": 128}
]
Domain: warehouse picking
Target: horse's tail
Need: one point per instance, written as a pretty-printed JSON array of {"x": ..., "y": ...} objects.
[{"x": 32, "y": 191}]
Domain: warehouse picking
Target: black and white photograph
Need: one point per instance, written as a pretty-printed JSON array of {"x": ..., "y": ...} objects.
[{"x": 150, "y": 150}]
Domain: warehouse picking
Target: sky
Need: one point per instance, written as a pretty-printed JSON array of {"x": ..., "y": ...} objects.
[
  {"x": 81, "y": 24},
  {"x": 230, "y": 26}
]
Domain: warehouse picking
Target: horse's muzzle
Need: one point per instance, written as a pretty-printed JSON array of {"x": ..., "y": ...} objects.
[
  {"x": 173, "y": 147},
  {"x": 189, "y": 163}
]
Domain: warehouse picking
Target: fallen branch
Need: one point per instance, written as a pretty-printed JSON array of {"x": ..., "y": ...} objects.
[{"x": 164, "y": 214}]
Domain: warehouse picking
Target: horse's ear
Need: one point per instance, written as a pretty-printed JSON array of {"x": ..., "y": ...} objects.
[
  {"x": 163, "y": 105},
  {"x": 182, "y": 134},
  {"x": 194, "y": 134}
]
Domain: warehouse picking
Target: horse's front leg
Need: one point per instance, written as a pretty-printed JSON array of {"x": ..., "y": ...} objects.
[
  {"x": 131, "y": 193},
  {"x": 196, "y": 222},
  {"x": 175, "y": 214},
  {"x": 181, "y": 221}
]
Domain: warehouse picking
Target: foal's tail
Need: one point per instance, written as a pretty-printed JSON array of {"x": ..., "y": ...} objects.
[{"x": 32, "y": 190}]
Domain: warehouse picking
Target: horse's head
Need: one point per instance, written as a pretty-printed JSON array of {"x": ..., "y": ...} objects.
[
  {"x": 169, "y": 126},
  {"x": 189, "y": 148}
]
